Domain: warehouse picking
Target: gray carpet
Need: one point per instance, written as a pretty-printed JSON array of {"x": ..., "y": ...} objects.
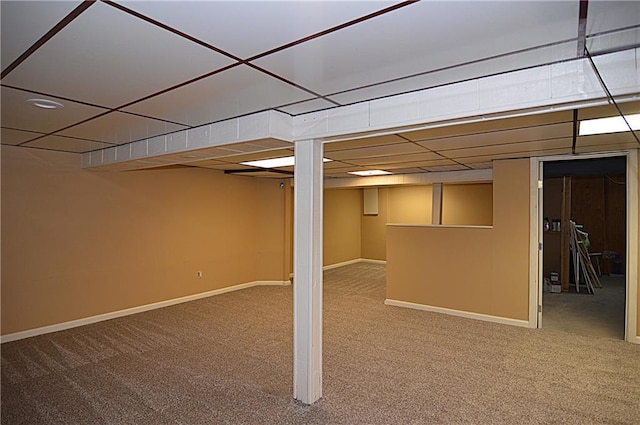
[{"x": 228, "y": 360}]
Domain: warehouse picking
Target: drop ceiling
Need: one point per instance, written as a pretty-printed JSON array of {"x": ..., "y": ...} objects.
[{"x": 127, "y": 71}]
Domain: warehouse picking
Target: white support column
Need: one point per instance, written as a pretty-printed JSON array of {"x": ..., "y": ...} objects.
[
  {"x": 307, "y": 272},
  {"x": 436, "y": 203}
]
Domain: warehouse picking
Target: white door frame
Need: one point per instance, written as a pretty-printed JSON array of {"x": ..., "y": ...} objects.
[{"x": 535, "y": 238}]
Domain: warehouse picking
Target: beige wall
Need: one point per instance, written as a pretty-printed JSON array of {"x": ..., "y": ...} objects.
[
  {"x": 480, "y": 270},
  {"x": 467, "y": 204},
  {"x": 638, "y": 274},
  {"x": 79, "y": 243},
  {"x": 341, "y": 236},
  {"x": 374, "y": 235}
]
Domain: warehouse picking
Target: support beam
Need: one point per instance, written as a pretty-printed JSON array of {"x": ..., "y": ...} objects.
[
  {"x": 307, "y": 272},
  {"x": 436, "y": 203}
]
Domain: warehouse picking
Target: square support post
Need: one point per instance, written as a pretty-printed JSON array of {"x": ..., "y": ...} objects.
[{"x": 307, "y": 272}]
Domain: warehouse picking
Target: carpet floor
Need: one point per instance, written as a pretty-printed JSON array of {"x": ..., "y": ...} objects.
[{"x": 228, "y": 360}]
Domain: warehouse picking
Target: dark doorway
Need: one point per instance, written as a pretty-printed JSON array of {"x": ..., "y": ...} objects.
[{"x": 589, "y": 194}]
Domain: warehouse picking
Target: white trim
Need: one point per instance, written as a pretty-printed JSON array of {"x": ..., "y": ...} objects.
[
  {"x": 342, "y": 264},
  {"x": 631, "y": 308},
  {"x": 372, "y": 261},
  {"x": 349, "y": 262},
  {"x": 460, "y": 313},
  {"x": 534, "y": 240},
  {"x": 133, "y": 310}
]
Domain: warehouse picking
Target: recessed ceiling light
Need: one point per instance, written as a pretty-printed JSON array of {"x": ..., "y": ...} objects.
[
  {"x": 368, "y": 173},
  {"x": 609, "y": 125},
  {"x": 45, "y": 103},
  {"x": 286, "y": 161}
]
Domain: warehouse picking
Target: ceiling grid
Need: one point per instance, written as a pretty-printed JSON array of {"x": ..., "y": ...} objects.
[{"x": 177, "y": 80}]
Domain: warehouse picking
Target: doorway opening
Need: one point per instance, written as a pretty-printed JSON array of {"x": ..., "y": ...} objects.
[{"x": 584, "y": 246}]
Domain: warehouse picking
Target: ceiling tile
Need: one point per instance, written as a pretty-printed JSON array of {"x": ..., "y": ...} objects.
[
  {"x": 237, "y": 91},
  {"x": 365, "y": 142},
  {"x": 410, "y": 160},
  {"x": 248, "y": 28},
  {"x": 490, "y": 125},
  {"x": 515, "y": 148},
  {"x": 65, "y": 144},
  {"x": 119, "y": 127},
  {"x": 552, "y": 131},
  {"x": 420, "y": 164},
  {"x": 17, "y": 113},
  {"x": 444, "y": 77},
  {"x": 420, "y": 37},
  {"x": 15, "y": 137},
  {"x": 609, "y": 141},
  {"x": 481, "y": 165},
  {"x": 376, "y": 151},
  {"x": 25, "y": 22},
  {"x": 454, "y": 167},
  {"x": 512, "y": 155},
  {"x": 110, "y": 58}
]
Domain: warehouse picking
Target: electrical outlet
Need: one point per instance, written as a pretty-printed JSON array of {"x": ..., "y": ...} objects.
[{"x": 199, "y": 273}]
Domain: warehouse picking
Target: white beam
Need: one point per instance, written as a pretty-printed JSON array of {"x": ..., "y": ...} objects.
[{"x": 307, "y": 272}]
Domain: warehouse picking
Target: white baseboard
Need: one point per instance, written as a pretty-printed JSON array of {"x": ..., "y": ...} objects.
[
  {"x": 460, "y": 313},
  {"x": 635, "y": 340},
  {"x": 354, "y": 261},
  {"x": 126, "y": 312},
  {"x": 371, "y": 261},
  {"x": 342, "y": 264}
]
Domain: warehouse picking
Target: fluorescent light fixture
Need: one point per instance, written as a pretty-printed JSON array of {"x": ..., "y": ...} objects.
[
  {"x": 609, "y": 125},
  {"x": 286, "y": 161},
  {"x": 45, "y": 103},
  {"x": 368, "y": 173}
]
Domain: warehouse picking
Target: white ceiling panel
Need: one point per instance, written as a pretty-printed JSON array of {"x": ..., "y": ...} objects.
[
  {"x": 142, "y": 59},
  {"x": 376, "y": 151},
  {"x": 247, "y": 28},
  {"x": 414, "y": 159},
  {"x": 600, "y": 17},
  {"x": 552, "y": 131},
  {"x": 66, "y": 144},
  {"x": 390, "y": 139},
  {"x": 440, "y": 168},
  {"x": 237, "y": 91},
  {"x": 403, "y": 163},
  {"x": 462, "y": 73},
  {"x": 25, "y": 22},
  {"x": 17, "y": 113},
  {"x": 509, "y": 155},
  {"x": 522, "y": 147},
  {"x": 420, "y": 37},
  {"x": 119, "y": 127},
  {"x": 15, "y": 137}
]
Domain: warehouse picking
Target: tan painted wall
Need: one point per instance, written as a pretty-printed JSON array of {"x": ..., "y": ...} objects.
[
  {"x": 374, "y": 235},
  {"x": 480, "y": 270},
  {"x": 341, "y": 236},
  {"x": 638, "y": 274},
  {"x": 409, "y": 204},
  {"x": 79, "y": 243},
  {"x": 467, "y": 204}
]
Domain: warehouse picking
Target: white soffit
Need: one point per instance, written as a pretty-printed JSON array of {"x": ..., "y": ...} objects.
[
  {"x": 537, "y": 90},
  {"x": 542, "y": 89}
]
